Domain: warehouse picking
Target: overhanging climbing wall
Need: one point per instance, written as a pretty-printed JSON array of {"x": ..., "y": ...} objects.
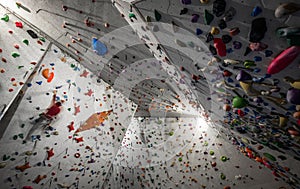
[{"x": 235, "y": 147}]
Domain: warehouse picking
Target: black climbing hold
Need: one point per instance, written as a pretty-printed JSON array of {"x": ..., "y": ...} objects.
[
  {"x": 209, "y": 37},
  {"x": 219, "y": 7},
  {"x": 248, "y": 50},
  {"x": 226, "y": 38},
  {"x": 213, "y": 50},
  {"x": 222, "y": 24},
  {"x": 258, "y": 30},
  {"x": 183, "y": 11},
  {"x": 32, "y": 34}
]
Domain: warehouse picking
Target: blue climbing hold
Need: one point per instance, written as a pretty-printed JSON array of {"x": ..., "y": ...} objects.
[
  {"x": 199, "y": 31},
  {"x": 99, "y": 47},
  {"x": 257, "y": 59},
  {"x": 256, "y": 11},
  {"x": 268, "y": 53}
]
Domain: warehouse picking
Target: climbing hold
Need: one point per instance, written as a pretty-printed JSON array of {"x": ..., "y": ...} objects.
[
  {"x": 15, "y": 55},
  {"x": 186, "y": 2},
  {"x": 247, "y": 51},
  {"x": 5, "y": 18},
  {"x": 286, "y": 9},
  {"x": 293, "y": 96},
  {"x": 239, "y": 102},
  {"x": 219, "y": 7},
  {"x": 26, "y": 41},
  {"x": 237, "y": 44},
  {"x": 259, "y": 46},
  {"x": 294, "y": 83},
  {"x": 180, "y": 43},
  {"x": 22, "y": 168},
  {"x": 132, "y": 15},
  {"x": 204, "y": 1},
  {"x": 214, "y": 31},
  {"x": 269, "y": 156},
  {"x": 287, "y": 31},
  {"x": 293, "y": 40},
  {"x": 50, "y": 153},
  {"x": 229, "y": 14},
  {"x": 220, "y": 46},
  {"x": 2, "y": 165},
  {"x": 39, "y": 178},
  {"x": 222, "y": 176},
  {"x": 223, "y": 158},
  {"x": 32, "y": 34},
  {"x": 234, "y": 31},
  {"x": 227, "y": 73},
  {"x": 208, "y": 17},
  {"x": 183, "y": 11},
  {"x": 213, "y": 50},
  {"x": 226, "y": 38},
  {"x": 77, "y": 155},
  {"x": 222, "y": 24},
  {"x": 257, "y": 58},
  {"x": 99, "y": 47},
  {"x": 256, "y": 11},
  {"x": 199, "y": 31},
  {"x": 284, "y": 59},
  {"x": 19, "y": 24},
  {"x": 195, "y": 18},
  {"x": 258, "y": 29},
  {"x": 209, "y": 37},
  {"x": 45, "y": 73},
  {"x": 157, "y": 15},
  {"x": 249, "y": 63}
]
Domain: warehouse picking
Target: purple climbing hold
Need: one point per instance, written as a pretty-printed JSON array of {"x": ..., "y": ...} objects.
[
  {"x": 293, "y": 96},
  {"x": 243, "y": 76},
  {"x": 195, "y": 18},
  {"x": 237, "y": 45},
  {"x": 186, "y": 2}
]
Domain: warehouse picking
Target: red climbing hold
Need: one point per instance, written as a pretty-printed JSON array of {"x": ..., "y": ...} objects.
[
  {"x": 22, "y": 168},
  {"x": 71, "y": 126},
  {"x": 80, "y": 139},
  {"x": 19, "y": 24},
  {"x": 50, "y": 153},
  {"x": 220, "y": 46}
]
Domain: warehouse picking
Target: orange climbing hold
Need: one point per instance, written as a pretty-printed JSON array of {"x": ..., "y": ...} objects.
[
  {"x": 48, "y": 75},
  {"x": 50, "y": 78}
]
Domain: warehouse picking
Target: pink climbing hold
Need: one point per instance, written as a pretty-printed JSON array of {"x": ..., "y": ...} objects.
[{"x": 284, "y": 59}]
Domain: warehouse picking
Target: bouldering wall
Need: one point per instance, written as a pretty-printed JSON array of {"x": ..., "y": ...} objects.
[{"x": 182, "y": 97}]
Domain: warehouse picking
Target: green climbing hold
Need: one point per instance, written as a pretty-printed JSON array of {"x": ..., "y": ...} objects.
[
  {"x": 26, "y": 41},
  {"x": 5, "y": 18},
  {"x": 223, "y": 158},
  {"x": 239, "y": 102},
  {"x": 19, "y": 67},
  {"x": 249, "y": 63},
  {"x": 131, "y": 15},
  {"x": 208, "y": 17},
  {"x": 21, "y": 135},
  {"x": 171, "y": 133},
  {"x": 211, "y": 152},
  {"x": 15, "y": 137},
  {"x": 15, "y": 55},
  {"x": 42, "y": 39},
  {"x": 180, "y": 159},
  {"x": 222, "y": 176},
  {"x": 5, "y": 157},
  {"x": 269, "y": 156},
  {"x": 157, "y": 15}
]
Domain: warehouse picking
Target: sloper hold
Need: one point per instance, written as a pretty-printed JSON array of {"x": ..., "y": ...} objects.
[
  {"x": 286, "y": 9},
  {"x": 284, "y": 59},
  {"x": 219, "y": 7},
  {"x": 258, "y": 29},
  {"x": 98, "y": 47}
]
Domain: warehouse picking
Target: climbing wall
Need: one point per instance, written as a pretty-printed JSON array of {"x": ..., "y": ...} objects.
[
  {"x": 20, "y": 54},
  {"x": 207, "y": 141}
]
